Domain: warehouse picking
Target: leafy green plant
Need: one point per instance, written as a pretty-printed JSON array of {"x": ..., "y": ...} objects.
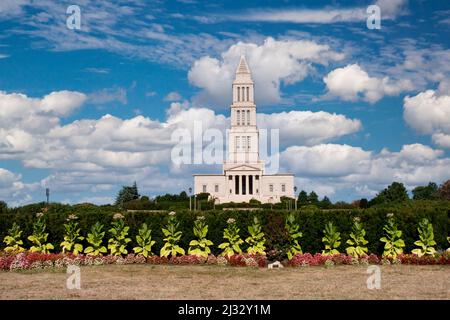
[
  {"x": 13, "y": 239},
  {"x": 256, "y": 240},
  {"x": 331, "y": 239},
  {"x": 118, "y": 242},
  {"x": 231, "y": 234},
  {"x": 145, "y": 242},
  {"x": 293, "y": 233},
  {"x": 200, "y": 247},
  {"x": 39, "y": 236},
  {"x": 392, "y": 239},
  {"x": 426, "y": 239},
  {"x": 71, "y": 237},
  {"x": 357, "y": 242},
  {"x": 95, "y": 239},
  {"x": 172, "y": 237}
]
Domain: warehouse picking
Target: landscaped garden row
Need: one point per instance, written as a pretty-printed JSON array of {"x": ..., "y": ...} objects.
[{"x": 231, "y": 246}]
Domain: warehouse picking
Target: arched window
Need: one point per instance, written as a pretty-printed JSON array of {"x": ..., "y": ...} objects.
[
  {"x": 238, "y": 94},
  {"x": 248, "y": 93}
]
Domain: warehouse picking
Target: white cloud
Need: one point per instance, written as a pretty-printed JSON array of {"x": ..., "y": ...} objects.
[
  {"x": 273, "y": 63},
  {"x": 109, "y": 95},
  {"x": 352, "y": 83},
  {"x": 352, "y": 170},
  {"x": 331, "y": 160},
  {"x": 173, "y": 96},
  {"x": 429, "y": 113},
  {"x": 390, "y": 9},
  {"x": 307, "y": 127},
  {"x": 62, "y": 103}
]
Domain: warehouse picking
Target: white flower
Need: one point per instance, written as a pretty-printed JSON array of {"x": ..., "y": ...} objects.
[
  {"x": 356, "y": 219},
  {"x": 39, "y": 214},
  {"x": 71, "y": 217},
  {"x": 200, "y": 218},
  {"x": 118, "y": 216},
  {"x": 231, "y": 221},
  {"x": 172, "y": 213},
  {"x": 390, "y": 215}
]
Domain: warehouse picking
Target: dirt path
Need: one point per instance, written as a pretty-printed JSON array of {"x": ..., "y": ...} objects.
[{"x": 215, "y": 282}]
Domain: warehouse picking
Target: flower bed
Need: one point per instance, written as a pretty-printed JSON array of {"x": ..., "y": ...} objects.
[{"x": 28, "y": 260}]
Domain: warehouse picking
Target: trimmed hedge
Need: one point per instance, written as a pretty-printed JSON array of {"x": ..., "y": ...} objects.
[{"x": 311, "y": 222}]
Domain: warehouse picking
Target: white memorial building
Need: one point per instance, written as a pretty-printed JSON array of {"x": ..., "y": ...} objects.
[{"x": 243, "y": 175}]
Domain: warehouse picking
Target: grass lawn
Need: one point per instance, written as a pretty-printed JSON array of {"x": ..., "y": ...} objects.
[{"x": 216, "y": 282}]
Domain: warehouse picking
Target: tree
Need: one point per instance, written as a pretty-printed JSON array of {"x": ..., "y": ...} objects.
[
  {"x": 429, "y": 192},
  {"x": 313, "y": 198},
  {"x": 127, "y": 193},
  {"x": 363, "y": 203},
  {"x": 396, "y": 192},
  {"x": 302, "y": 198},
  {"x": 3, "y": 207},
  {"x": 325, "y": 203},
  {"x": 444, "y": 190}
]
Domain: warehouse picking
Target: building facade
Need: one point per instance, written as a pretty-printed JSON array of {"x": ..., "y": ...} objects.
[{"x": 243, "y": 177}]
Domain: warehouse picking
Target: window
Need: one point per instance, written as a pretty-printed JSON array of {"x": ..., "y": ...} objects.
[
  {"x": 244, "y": 144},
  {"x": 236, "y": 184},
  {"x": 243, "y": 117},
  {"x": 238, "y": 117},
  {"x": 243, "y": 94},
  {"x": 248, "y": 143},
  {"x": 248, "y": 117},
  {"x": 256, "y": 177},
  {"x": 248, "y": 95},
  {"x": 204, "y": 188},
  {"x": 216, "y": 188},
  {"x": 271, "y": 187},
  {"x": 238, "y": 142},
  {"x": 283, "y": 188},
  {"x": 238, "y": 94},
  {"x": 230, "y": 177}
]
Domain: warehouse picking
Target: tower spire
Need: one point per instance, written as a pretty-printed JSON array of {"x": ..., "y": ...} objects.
[{"x": 243, "y": 66}]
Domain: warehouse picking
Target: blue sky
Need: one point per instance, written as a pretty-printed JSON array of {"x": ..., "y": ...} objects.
[{"x": 86, "y": 111}]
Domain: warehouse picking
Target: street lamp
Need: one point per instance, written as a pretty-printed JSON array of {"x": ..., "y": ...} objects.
[
  {"x": 295, "y": 197},
  {"x": 190, "y": 199}
]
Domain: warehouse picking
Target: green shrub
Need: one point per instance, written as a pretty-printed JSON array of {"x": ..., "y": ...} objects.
[
  {"x": 39, "y": 236},
  {"x": 393, "y": 241},
  {"x": 357, "y": 242},
  {"x": 71, "y": 237},
  {"x": 426, "y": 239},
  {"x": 294, "y": 234},
  {"x": 95, "y": 239},
  {"x": 231, "y": 234},
  {"x": 172, "y": 237},
  {"x": 200, "y": 246},
  {"x": 144, "y": 241},
  {"x": 118, "y": 242},
  {"x": 331, "y": 239},
  {"x": 256, "y": 239},
  {"x": 13, "y": 239}
]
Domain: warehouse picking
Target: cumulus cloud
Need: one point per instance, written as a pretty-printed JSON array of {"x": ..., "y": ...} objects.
[
  {"x": 352, "y": 83},
  {"x": 429, "y": 113},
  {"x": 273, "y": 63},
  {"x": 344, "y": 168},
  {"x": 173, "y": 96},
  {"x": 331, "y": 160},
  {"x": 307, "y": 127}
]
